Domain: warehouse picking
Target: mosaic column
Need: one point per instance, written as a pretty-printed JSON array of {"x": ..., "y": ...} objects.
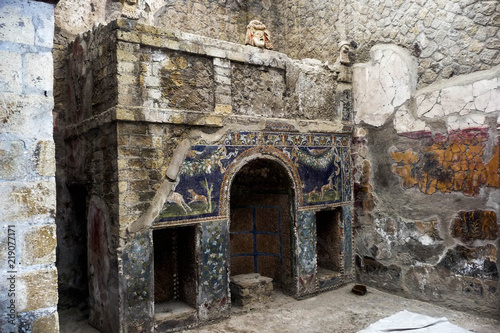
[
  {"x": 306, "y": 251},
  {"x": 137, "y": 282},
  {"x": 347, "y": 218},
  {"x": 213, "y": 297}
]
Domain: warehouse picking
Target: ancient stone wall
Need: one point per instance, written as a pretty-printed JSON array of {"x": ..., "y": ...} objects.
[
  {"x": 448, "y": 38},
  {"x": 428, "y": 182},
  {"x": 28, "y": 292},
  {"x": 418, "y": 139}
]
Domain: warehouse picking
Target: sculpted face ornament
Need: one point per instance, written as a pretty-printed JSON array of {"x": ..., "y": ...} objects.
[
  {"x": 345, "y": 47},
  {"x": 342, "y": 65},
  {"x": 129, "y": 9},
  {"x": 257, "y": 35}
]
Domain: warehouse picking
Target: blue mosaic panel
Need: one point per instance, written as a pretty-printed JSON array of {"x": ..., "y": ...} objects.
[
  {"x": 197, "y": 193},
  {"x": 347, "y": 238},
  {"x": 319, "y": 160},
  {"x": 346, "y": 158},
  {"x": 137, "y": 265},
  {"x": 346, "y": 105},
  {"x": 213, "y": 297},
  {"x": 320, "y": 170},
  {"x": 306, "y": 250}
]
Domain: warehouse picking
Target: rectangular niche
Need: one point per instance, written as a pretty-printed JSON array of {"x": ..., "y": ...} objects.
[
  {"x": 175, "y": 273},
  {"x": 328, "y": 241}
]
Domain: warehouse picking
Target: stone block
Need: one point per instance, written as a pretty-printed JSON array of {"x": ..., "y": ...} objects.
[
  {"x": 25, "y": 200},
  {"x": 222, "y": 80},
  {"x": 37, "y": 289},
  {"x": 12, "y": 160},
  {"x": 11, "y": 72},
  {"x": 45, "y": 158},
  {"x": 39, "y": 246},
  {"x": 38, "y": 76},
  {"x": 223, "y": 108},
  {"x": 16, "y": 26},
  {"x": 247, "y": 289},
  {"x": 46, "y": 324},
  {"x": 28, "y": 114},
  {"x": 224, "y": 63}
]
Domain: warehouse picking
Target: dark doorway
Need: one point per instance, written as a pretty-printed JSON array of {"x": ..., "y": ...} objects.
[
  {"x": 71, "y": 260},
  {"x": 260, "y": 222}
]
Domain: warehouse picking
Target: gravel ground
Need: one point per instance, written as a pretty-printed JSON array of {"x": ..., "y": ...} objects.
[{"x": 334, "y": 311}]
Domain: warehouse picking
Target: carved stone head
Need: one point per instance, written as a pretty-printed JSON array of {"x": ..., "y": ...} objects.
[
  {"x": 257, "y": 35},
  {"x": 129, "y": 9},
  {"x": 344, "y": 47}
]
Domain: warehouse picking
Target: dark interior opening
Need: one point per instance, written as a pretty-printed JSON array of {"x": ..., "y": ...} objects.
[
  {"x": 175, "y": 272},
  {"x": 260, "y": 222},
  {"x": 328, "y": 249},
  {"x": 71, "y": 253}
]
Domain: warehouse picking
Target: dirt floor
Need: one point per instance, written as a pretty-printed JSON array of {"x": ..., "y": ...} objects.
[{"x": 335, "y": 311}]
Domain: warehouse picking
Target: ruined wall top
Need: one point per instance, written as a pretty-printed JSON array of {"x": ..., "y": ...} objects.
[
  {"x": 448, "y": 37},
  {"x": 160, "y": 75}
]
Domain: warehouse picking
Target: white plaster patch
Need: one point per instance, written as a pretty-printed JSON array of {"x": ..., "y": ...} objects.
[
  {"x": 489, "y": 101},
  {"x": 454, "y": 99},
  {"x": 405, "y": 122},
  {"x": 426, "y": 102},
  {"x": 483, "y": 86},
  {"x": 426, "y": 240},
  {"x": 381, "y": 87},
  {"x": 435, "y": 111},
  {"x": 456, "y": 122}
]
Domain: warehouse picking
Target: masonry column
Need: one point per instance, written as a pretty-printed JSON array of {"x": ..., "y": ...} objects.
[{"x": 28, "y": 291}]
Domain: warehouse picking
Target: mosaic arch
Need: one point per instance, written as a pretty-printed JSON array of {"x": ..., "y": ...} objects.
[{"x": 261, "y": 152}]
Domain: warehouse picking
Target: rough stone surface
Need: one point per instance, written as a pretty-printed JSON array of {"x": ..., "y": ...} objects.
[
  {"x": 250, "y": 288},
  {"x": 39, "y": 246},
  {"x": 37, "y": 289},
  {"x": 442, "y": 142},
  {"x": 47, "y": 324},
  {"x": 27, "y": 167}
]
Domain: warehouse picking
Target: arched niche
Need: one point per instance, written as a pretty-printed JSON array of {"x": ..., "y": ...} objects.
[{"x": 262, "y": 205}]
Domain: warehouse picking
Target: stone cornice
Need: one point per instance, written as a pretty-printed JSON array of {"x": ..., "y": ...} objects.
[{"x": 133, "y": 32}]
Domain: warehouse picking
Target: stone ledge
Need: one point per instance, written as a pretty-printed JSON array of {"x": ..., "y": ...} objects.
[
  {"x": 130, "y": 31},
  {"x": 149, "y": 115},
  {"x": 196, "y": 118}
]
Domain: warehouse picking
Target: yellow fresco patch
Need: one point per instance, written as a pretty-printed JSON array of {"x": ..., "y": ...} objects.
[{"x": 446, "y": 167}]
